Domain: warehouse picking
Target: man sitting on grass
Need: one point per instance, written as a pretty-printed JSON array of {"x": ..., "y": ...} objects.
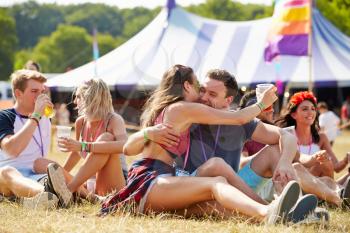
[{"x": 24, "y": 139}]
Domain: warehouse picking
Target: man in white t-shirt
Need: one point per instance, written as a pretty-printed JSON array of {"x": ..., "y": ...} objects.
[
  {"x": 24, "y": 139},
  {"x": 329, "y": 122}
]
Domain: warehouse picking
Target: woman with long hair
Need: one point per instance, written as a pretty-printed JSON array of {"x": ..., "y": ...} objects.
[
  {"x": 152, "y": 185},
  {"x": 302, "y": 114},
  {"x": 99, "y": 138}
]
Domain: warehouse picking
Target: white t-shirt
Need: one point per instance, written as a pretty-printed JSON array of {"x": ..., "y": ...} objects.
[
  {"x": 11, "y": 123},
  {"x": 329, "y": 122}
]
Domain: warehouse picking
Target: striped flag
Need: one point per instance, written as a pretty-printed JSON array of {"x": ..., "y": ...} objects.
[{"x": 290, "y": 29}]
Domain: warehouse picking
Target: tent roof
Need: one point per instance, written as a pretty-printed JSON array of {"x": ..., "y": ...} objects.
[{"x": 179, "y": 37}]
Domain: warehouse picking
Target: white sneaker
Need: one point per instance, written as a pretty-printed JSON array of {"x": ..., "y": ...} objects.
[
  {"x": 44, "y": 201},
  {"x": 280, "y": 207}
]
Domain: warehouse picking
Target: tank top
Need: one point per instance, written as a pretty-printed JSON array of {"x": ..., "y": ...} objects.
[
  {"x": 87, "y": 136},
  {"x": 184, "y": 140}
]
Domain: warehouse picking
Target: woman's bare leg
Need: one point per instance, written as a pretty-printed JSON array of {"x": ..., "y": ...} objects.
[
  {"x": 95, "y": 163},
  {"x": 323, "y": 169},
  {"x": 218, "y": 167},
  {"x": 313, "y": 185},
  {"x": 176, "y": 193}
]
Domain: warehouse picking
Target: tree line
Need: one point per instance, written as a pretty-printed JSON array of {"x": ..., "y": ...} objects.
[{"x": 59, "y": 37}]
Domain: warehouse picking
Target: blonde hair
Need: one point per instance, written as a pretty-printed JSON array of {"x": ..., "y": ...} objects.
[
  {"x": 20, "y": 78},
  {"x": 169, "y": 91},
  {"x": 96, "y": 99}
]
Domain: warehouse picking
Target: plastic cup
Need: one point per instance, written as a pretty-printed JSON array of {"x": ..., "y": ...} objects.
[
  {"x": 91, "y": 185},
  {"x": 260, "y": 88},
  {"x": 63, "y": 131}
]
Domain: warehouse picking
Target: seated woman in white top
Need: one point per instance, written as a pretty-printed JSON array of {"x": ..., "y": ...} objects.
[{"x": 302, "y": 113}]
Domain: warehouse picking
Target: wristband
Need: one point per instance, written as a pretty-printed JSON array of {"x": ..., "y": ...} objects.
[
  {"x": 145, "y": 136},
  {"x": 83, "y": 146},
  {"x": 261, "y": 106},
  {"x": 36, "y": 115},
  {"x": 36, "y": 120}
]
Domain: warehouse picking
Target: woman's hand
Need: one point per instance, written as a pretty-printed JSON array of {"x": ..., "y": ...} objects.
[
  {"x": 321, "y": 156},
  {"x": 163, "y": 134},
  {"x": 68, "y": 144}
]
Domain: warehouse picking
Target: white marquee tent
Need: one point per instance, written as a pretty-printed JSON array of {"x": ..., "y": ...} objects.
[{"x": 178, "y": 37}]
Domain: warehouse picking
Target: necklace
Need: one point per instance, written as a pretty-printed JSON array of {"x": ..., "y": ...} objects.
[{"x": 309, "y": 145}]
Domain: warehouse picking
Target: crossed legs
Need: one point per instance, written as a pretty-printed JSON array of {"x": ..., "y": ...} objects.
[{"x": 106, "y": 167}]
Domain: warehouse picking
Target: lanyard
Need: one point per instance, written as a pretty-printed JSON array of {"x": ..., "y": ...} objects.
[
  {"x": 216, "y": 142},
  {"x": 41, "y": 146}
]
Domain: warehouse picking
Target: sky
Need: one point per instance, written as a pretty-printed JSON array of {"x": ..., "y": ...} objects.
[{"x": 128, "y": 3}]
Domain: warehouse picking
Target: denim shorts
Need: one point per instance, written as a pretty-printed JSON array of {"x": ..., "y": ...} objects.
[
  {"x": 28, "y": 173},
  {"x": 253, "y": 180}
]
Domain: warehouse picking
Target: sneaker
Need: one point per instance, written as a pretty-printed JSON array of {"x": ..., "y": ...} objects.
[
  {"x": 57, "y": 182},
  {"x": 319, "y": 216},
  {"x": 345, "y": 194},
  {"x": 47, "y": 187},
  {"x": 280, "y": 207},
  {"x": 44, "y": 200},
  {"x": 304, "y": 206},
  {"x": 322, "y": 214}
]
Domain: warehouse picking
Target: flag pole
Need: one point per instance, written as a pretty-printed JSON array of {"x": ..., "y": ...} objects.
[
  {"x": 95, "y": 50},
  {"x": 310, "y": 84}
]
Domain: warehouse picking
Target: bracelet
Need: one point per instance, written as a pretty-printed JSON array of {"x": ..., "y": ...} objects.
[
  {"x": 261, "y": 105},
  {"x": 36, "y": 115},
  {"x": 36, "y": 120},
  {"x": 145, "y": 136},
  {"x": 83, "y": 146}
]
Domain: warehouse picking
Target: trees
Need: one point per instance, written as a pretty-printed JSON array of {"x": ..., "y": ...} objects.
[
  {"x": 229, "y": 10},
  {"x": 8, "y": 44},
  {"x": 34, "y": 21},
  {"x": 66, "y": 48},
  {"x": 338, "y": 12},
  {"x": 106, "y": 19}
]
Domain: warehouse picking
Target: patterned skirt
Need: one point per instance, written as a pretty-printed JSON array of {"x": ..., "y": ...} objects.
[{"x": 140, "y": 176}]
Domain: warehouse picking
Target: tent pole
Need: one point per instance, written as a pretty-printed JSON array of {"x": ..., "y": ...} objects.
[{"x": 310, "y": 86}]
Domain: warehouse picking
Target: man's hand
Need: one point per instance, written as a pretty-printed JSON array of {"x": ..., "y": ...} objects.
[
  {"x": 41, "y": 102},
  {"x": 163, "y": 134},
  {"x": 282, "y": 175}
]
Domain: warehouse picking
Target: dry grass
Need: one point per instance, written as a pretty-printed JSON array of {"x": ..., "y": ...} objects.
[{"x": 14, "y": 218}]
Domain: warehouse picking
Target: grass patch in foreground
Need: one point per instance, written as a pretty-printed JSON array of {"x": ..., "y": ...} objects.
[
  {"x": 83, "y": 219},
  {"x": 14, "y": 218}
]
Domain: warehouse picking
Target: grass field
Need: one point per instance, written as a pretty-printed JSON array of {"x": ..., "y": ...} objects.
[{"x": 14, "y": 218}]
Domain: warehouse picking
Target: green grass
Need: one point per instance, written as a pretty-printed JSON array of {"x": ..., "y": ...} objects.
[{"x": 13, "y": 218}]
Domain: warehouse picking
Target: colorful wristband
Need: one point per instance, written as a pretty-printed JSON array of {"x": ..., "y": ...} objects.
[
  {"x": 261, "y": 106},
  {"x": 36, "y": 115},
  {"x": 83, "y": 146},
  {"x": 145, "y": 136}
]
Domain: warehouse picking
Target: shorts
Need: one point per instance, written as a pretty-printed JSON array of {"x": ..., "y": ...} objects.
[
  {"x": 28, "y": 173},
  {"x": 141, "y": 177},
  {"x": 253, "y": 180}
]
